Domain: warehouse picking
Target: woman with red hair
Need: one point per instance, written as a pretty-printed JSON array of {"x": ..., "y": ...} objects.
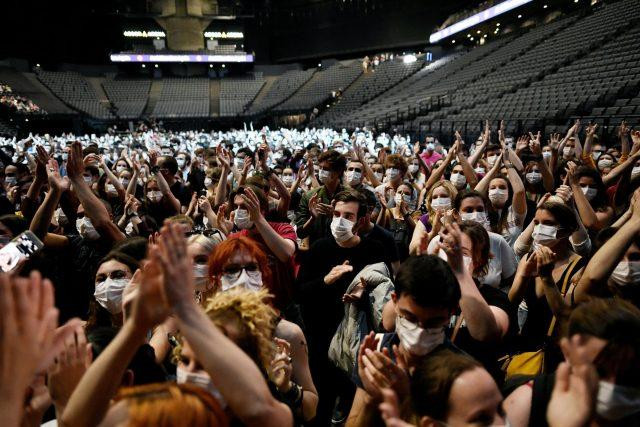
[{"x": 239, "y": 262}]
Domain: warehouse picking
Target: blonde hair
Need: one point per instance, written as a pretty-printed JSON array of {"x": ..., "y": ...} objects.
[
  {"x": 170, "y": 404},
  {"x": 255, "y": 317},
  {"x": 451, "y": 189}
]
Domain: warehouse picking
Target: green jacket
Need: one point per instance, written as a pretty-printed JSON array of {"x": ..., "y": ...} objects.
[{"x": 321, "y": 227}]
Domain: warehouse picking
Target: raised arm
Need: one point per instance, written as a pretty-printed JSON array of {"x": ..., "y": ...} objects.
[
  {"x": 232, "y": 371},
  {"x": 113, "y": 179},
  {"x": 281, "y": 247},
  {"x": 28, "y": 205},
  {"x": 93, "y": 207},
  {"x": 486, "y": 136},
  {"x": 607, "y": 257},
  {"x": 484, "y": 322},
  {"x": 221, "y": 190},
  {"x": 623, "y": 134},
  {"x": 436, "y": 174},
  {"x": 359, "y": 151},
  {"x": 467, "y": 169},
  {"x": 42, "y": 218},
  {"x": 590, "y": 218},
  {"x": 483, "y": 185}
]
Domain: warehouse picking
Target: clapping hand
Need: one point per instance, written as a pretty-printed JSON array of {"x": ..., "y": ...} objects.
[{"x": 281, "y": 367}]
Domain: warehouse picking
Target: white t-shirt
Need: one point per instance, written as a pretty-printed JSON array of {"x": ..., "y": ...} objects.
[
  {"x": 513, "y": 226},
  {"x": 502, "y": 264}
]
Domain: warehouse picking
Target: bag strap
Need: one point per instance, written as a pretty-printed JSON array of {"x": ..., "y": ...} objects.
[{"x": 565, "y": 283}]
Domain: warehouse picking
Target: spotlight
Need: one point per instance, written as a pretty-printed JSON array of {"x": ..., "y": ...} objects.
[
  {"x": 545, "y": 6},
  {"x": 155, "y": 66},
  {"x": 210, "y": 65},
  {"x": 453, "y": 41},
  {"x": 519, "y": 16},
  {"x": 408, "y": 59},
  {"x": 144, "y": 66},
  {"x": 224, "y": 66}
]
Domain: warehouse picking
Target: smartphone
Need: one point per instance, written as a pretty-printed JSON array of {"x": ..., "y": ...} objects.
[{"x": 19, "y": 249}]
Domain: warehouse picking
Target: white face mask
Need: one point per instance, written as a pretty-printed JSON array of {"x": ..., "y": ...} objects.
[
  {"x": 546, "y": 155},
  {"x": 250, "y": 280},
  {"x": 378, "y": 175},
  {"x": 86, "y": 229},
  {"x": 589, "y": 193},
  {"x": 125, "y": 182},
  {"x": 239, "y": 163},
  {"x": 635, "y": 172},
  {"x": 479, "y": 170},
  {"x": 567, "y": 151},
  {"x": 533, "y": 177},
  {"x": 413, "y": 168},
  {"x": 181, "y": 163},
  {"x": 416, "y": 340},
  {"x": 109, "y": 294},
  {"x": 110, "y": 188},
  {"x": 626, "y": 273},
  {"x": 154, "y": 196},
  {"x": 431, "y": 146},
  {"x": 458, "y": 179},
  {"x": 441, "y": 204},
  {"x": 287, "y": 179},
  {"x": 498, "y": 196},
  {"x": 479, "y": 217},
  {"x": 60, "y": 217},
  {"x": 615, "y": 402},
  {"x": 605, "y": 163},
  {"x": 130, "y": 230},
  {"x": 353, "y": 177},
  {"x": 207, "y": 182},
  {"x": 87, "y": 179},
  {"x": 400, "y": 197},
  {"x": 323, "y": 175},
  {"x": 119, "y": 169},
  {"x": 342, "y": 229},
  {"x": 202, "y": 380},
  {"x": 201, "y": 276},
  {"x": 10, "y": 181},
  {"x": 242, "y": 220},
  {"x": 392, "y": 173},
  {"x": 491, "y": 160},
  {"x": 544, "y": 234},
  {"x": 468, "y": 263}
]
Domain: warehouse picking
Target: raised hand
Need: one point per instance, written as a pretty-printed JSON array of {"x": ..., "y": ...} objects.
[
  {"x": 501, "y": 136},
  {"x": 623, "y": 130},
  {"x": 42, "y": 157},
  {"x": 450, "y": 244},
  {"x": 522, "y": 143},
  {"x": 172, "y": 268},
  {"x": 28, "y": 336},
  {"x": 75, "y": 164},
  {"x": 204, "y": 204},
  {"x": 225, "y": 225},
  {"x": 53, "y": 177},
  {"x": 545, "y": 259},
  {"x": 281, "y": 367},
  {"x": 591, "y": 129},
  {"x": 252, "y": 204},
  {"x": 554, "y": 141},
  {"x": 337, "y": 272},
  {"x": 534, "y": 144},
  {"x": 223, "y": 157},
  {"x": 65, "y": 374}
]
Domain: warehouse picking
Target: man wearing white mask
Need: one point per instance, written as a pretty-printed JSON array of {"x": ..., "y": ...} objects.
[
  {"x": 420, "y": 314},
  {"x": 331, "y": 264},
  {"x": 430, "y": 156},
  {"x": 314, "y": 211},
  {"x": 353, "y": 178}
]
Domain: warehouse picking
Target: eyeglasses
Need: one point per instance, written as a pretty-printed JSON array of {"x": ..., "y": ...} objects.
[{"x": 234, "y": 271}]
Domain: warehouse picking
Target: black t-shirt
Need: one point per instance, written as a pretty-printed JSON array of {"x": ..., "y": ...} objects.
[
  {"x": 322, "y": 306},
  {"x": 385, "y": 237},
  {"x": 181, "y": 192},
  {"x": 488, "y": 353}
]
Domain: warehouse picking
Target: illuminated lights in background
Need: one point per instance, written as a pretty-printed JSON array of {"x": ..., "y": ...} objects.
[
  {"x": 144, "y": 34},
  {"x": 408, "y": 59},
  {"x": 125, "y": 57},
  {"x": 224, "y": 35},
  {"x": 476, "y": 19}
]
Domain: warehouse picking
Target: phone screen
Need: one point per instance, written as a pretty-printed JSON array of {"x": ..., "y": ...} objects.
[{"x": 21, "y": 248}]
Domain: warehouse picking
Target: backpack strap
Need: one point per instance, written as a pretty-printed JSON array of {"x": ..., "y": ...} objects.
[{"x": 568, "y": 273}]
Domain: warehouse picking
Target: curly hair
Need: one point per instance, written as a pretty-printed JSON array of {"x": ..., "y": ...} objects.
[{"x": 257, "y": 321}]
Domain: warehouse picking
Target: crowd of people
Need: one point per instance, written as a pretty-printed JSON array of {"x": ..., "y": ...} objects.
[
  {"x": 17, "y": 103},
  {"x": 317, "y": 277}
]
